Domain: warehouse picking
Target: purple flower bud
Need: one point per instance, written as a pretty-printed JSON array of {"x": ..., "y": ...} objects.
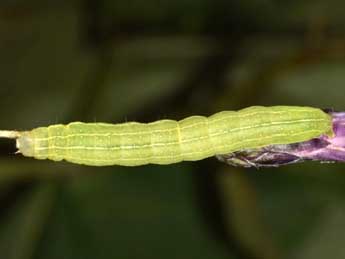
[{"x": 323, "y": 148}]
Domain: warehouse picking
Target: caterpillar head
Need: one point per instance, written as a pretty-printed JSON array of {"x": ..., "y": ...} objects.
[{"x": 25, "y": 144}]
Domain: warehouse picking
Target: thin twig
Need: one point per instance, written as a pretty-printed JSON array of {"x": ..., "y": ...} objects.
[{"x": 9, "y": 134}]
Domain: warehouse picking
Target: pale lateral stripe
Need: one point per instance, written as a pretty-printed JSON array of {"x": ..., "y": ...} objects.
[
  {"x": 235, "y": 114},
  {"x": 114, "y": 160},
  {"x": 175, "y": 143}
]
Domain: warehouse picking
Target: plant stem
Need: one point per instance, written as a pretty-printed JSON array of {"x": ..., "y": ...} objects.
[{"x": 9, "y": 134}]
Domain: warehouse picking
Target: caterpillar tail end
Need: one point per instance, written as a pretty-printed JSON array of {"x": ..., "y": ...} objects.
[{"x": 325, "y": 148}]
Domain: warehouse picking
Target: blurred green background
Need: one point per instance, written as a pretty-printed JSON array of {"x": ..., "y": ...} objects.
[{"x": 117, "y": 61}]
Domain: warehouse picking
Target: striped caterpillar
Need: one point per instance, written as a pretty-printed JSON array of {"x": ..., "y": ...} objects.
[{"x": 169, "y": 141}]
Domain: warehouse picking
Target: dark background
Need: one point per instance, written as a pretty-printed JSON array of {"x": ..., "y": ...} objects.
[{"x": 116, "y": 61}]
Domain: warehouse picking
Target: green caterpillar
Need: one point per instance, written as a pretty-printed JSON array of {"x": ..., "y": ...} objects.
[{"x": 169, "y": 141}]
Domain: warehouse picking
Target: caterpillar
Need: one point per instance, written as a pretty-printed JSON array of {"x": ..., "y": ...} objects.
[{"x": 169, "y": 141}]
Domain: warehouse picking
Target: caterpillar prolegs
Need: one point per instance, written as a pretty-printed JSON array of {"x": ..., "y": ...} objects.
[{"x": 169, "y": 141}]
